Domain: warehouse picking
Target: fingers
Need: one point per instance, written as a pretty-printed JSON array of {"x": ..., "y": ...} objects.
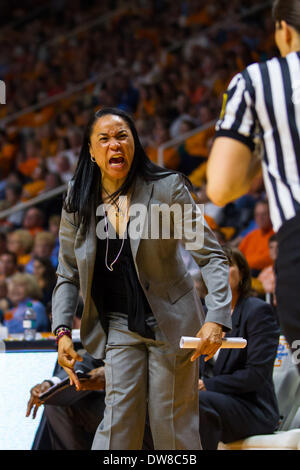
[
  {"x": 36, "y": 407},
  {"x": 211, "y": 340},
  {"x": 73, "y": 378},
  {"x": 32, "y": 404},
  {"x": 29, "y": 407},
  {"x": 67, "y": 357},
  {"x": 206, "y": 348},
  {"x": 74, "y": 355},
  {"x": 34, "y": 399}
]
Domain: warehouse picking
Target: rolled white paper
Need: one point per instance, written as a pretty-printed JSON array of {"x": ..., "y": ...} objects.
[{"x": 190, "y": 342}]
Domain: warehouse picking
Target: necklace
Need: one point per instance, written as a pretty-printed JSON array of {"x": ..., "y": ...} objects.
[
  {"x": 110, "y": 267},
  {"x": 118, "y": 208}
]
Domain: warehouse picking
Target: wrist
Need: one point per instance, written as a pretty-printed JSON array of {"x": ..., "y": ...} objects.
[
  {"x": 47, "y": 382},
  {"x": 62, "y": 331}
]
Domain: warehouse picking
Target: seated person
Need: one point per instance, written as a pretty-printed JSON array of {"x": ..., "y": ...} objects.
[
  {"x": 20, "y": 242},
  {"x": 23, "y": 288},
  {"x": 45, "y": 275},
  {"x": 5, "y": 303},
  {"x": 13, "y": 191},
  {"x": 34, "y": 220},
  {"x": 8, "y": 265},
  {"x": 73, "y": 427},
  {"x": 237, "y": 397},
  {"x": 266, "y": 278},
  {"x": 254, "y": 245},
  {"x": 43, "y": 246},
  {"x": 54, "y": 224}
]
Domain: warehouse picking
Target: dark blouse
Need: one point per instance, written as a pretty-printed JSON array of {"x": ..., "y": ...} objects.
[{"x": 119, "y": 290}]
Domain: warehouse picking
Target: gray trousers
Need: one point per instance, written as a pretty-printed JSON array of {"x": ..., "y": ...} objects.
[{"x": 143, "y": 372}]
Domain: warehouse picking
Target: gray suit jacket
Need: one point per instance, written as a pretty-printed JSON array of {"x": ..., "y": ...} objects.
[{"x": 168, "y": 286}]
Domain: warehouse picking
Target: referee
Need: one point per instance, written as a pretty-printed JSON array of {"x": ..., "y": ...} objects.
[{"x": 259, "y": 126}]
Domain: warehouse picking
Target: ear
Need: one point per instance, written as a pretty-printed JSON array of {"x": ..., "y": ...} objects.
[
  {"x": 287, "y": 31},
  {"x": 91, "y": 150}
]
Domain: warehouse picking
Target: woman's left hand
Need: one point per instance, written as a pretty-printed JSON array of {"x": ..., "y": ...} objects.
[{"x": 211, "y": 340}]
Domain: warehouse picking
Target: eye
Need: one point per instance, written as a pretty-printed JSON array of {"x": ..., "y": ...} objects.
[
  {"x": 103, "y": 139},
  {"x": 123, "y": 135}
]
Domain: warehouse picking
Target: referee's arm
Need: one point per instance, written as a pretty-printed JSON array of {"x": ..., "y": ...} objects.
[
  {"x": 231, "y": 169},
  {"x": 232, "y": 165}
]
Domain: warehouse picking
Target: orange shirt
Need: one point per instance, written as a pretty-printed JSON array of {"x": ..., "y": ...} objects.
[
  {"x": 28, "y": 167},
  {"x": 33, "y": 189},
  {"x": 35, "y": 230},
  {"x": 23, "y": 259},
  {"x": 255, "y": 247}
]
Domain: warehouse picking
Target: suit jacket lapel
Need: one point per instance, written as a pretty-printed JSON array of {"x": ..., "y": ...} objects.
[
  {"x": 224, "y": 354},
  {"x": 139, "y": 214}
]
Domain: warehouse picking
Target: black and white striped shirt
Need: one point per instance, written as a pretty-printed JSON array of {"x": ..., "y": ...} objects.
[{"x": 261, "y": 108}]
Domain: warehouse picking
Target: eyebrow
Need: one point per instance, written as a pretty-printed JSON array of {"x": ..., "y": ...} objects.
[{"x": 105, "y": 133}]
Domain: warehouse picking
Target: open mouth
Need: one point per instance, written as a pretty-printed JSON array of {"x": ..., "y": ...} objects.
[{"x": 117, "y": 161}]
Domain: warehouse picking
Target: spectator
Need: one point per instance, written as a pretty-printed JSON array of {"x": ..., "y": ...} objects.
[
  {"x": 30, "y": 159},
  {"x": 53, "y": 205},
  {"x": 45, "y": 275},
  {"x": 63, "y": 167},
  {"x": 23, "y": 288},
  {"x": 20, "y": 242},
  {"x": 160, "y": 136},
  {"x": 8, "y": 265},
  {"x": 266, "y": 277},
  {"x": 54, "y": 223},
  {"x": 236, "y": 397},
  {"x": 128, "y": 95},
  {"x": 5, "y": 302},
  {"x": 37, "y": 183},
  {"x": 255, "y": 245},
  {"x": 34, "y": 220},
  {"x": 43, "y": 246},
  {"x": 181, "y": 110},
  {"x": 3, "y": 243},
  {"x": 13, "y": 192}
]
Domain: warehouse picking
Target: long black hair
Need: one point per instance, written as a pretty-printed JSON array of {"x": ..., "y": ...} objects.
[
  {"x": 289, "y": 11},
  {"x": 85, "y": 192}
]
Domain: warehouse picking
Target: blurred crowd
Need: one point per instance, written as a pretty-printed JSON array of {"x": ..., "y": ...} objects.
[{"x": 168, "y": 64}]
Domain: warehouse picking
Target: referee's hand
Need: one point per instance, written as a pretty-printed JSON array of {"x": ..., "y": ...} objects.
[{"x": 211, "y": 340}]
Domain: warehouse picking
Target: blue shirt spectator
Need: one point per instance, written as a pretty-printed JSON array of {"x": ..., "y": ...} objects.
[{"x": 14, "y": 317}]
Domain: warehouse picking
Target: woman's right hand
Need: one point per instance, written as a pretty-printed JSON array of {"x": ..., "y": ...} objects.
[{"x": 67, "y": 356}]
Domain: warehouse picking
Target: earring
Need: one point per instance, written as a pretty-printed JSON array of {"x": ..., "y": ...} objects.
[{"x": 93, "y": 159}]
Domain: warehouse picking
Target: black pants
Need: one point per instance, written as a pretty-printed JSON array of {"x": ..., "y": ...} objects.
[
  {"x": 229, "y": 418},
  {"x": 73, "y": 427},
  {"x": 288, "y": 284}
]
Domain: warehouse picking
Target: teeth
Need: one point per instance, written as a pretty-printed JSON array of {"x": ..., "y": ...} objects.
[{"x": 115, "y": 161}]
